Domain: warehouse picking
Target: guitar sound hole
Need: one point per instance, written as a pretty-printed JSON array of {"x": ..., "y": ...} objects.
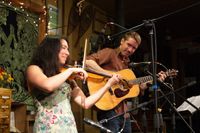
[{"x": 119, "y": 93}]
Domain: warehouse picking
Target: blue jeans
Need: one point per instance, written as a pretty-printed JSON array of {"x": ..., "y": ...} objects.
[{"x": 115, "y": 124}]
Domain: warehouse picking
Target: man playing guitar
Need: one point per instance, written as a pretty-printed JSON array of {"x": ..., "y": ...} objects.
[{"x": 109, "y": 61}]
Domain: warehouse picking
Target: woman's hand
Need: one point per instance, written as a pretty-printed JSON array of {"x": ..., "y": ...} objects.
[
  {"x": 113, "y": 80},
  {"x": 79, "y": 73}
]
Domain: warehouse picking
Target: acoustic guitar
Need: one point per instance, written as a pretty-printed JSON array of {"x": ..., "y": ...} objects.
[{"x": 127, "y": 88}]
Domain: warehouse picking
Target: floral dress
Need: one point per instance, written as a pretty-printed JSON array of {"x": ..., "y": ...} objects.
[{"x": 54, "y": 114}]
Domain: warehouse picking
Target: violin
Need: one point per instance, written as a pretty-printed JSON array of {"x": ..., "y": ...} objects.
[
  {"x": 74, "y": 75},
  {"x": 92, "y": 75}
]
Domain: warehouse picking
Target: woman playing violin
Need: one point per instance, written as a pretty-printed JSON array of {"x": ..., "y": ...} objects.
[{"x": 53, "y": 90}]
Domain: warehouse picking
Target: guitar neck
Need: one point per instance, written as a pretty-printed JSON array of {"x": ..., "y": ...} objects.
[{"x": 141, "y": 80}]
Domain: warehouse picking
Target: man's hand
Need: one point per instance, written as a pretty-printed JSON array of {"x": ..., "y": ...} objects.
[{"x": 162, "y": 76}]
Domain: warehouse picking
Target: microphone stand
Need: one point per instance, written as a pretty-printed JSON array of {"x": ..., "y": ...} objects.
[
  {"x": 152, "y": 33},
  {"x": 173, "y": 104},
  {"x": 174, "y": 91},
  {"x": 135, "y": 28},
  {"x": 160, "y": 97},
  {"x": 173, "y": 98},
  {"x": 176, "y": 111}
]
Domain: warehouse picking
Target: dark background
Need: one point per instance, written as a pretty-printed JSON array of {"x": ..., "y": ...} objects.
[{"x": 178, "y": 44}]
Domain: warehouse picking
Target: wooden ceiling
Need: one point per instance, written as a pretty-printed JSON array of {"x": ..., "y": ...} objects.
[{"x": 174, "y": 18}]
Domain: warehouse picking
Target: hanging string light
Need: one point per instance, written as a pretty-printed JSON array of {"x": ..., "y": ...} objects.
[{"x": 23, "y": 10}]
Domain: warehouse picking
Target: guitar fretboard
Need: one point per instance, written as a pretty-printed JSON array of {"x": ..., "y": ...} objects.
[{"x": 141, "y": 80}]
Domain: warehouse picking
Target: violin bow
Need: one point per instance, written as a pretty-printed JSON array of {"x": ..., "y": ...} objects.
[{"x": 84, "y": 55}]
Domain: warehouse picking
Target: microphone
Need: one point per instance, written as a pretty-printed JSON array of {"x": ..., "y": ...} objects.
[
  {"x": 109, "y": 37},
  {"x": 191, "y": 83},
  {"x": 136, "y": 64},
  {"x": 103, "y": 30},
  {"x": 96, "y": 124},
  {"x": 112, "y": 23},
  {"x": 102, "y": 38}
]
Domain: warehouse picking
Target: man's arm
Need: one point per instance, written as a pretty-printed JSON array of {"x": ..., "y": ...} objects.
[{"x": 92, "y": 65}]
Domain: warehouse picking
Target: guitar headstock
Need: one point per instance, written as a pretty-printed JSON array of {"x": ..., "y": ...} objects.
[{"x": 171, "y": 73}]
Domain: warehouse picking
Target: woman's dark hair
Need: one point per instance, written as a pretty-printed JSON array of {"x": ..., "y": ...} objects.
[{"x": 46, "y": 55}]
